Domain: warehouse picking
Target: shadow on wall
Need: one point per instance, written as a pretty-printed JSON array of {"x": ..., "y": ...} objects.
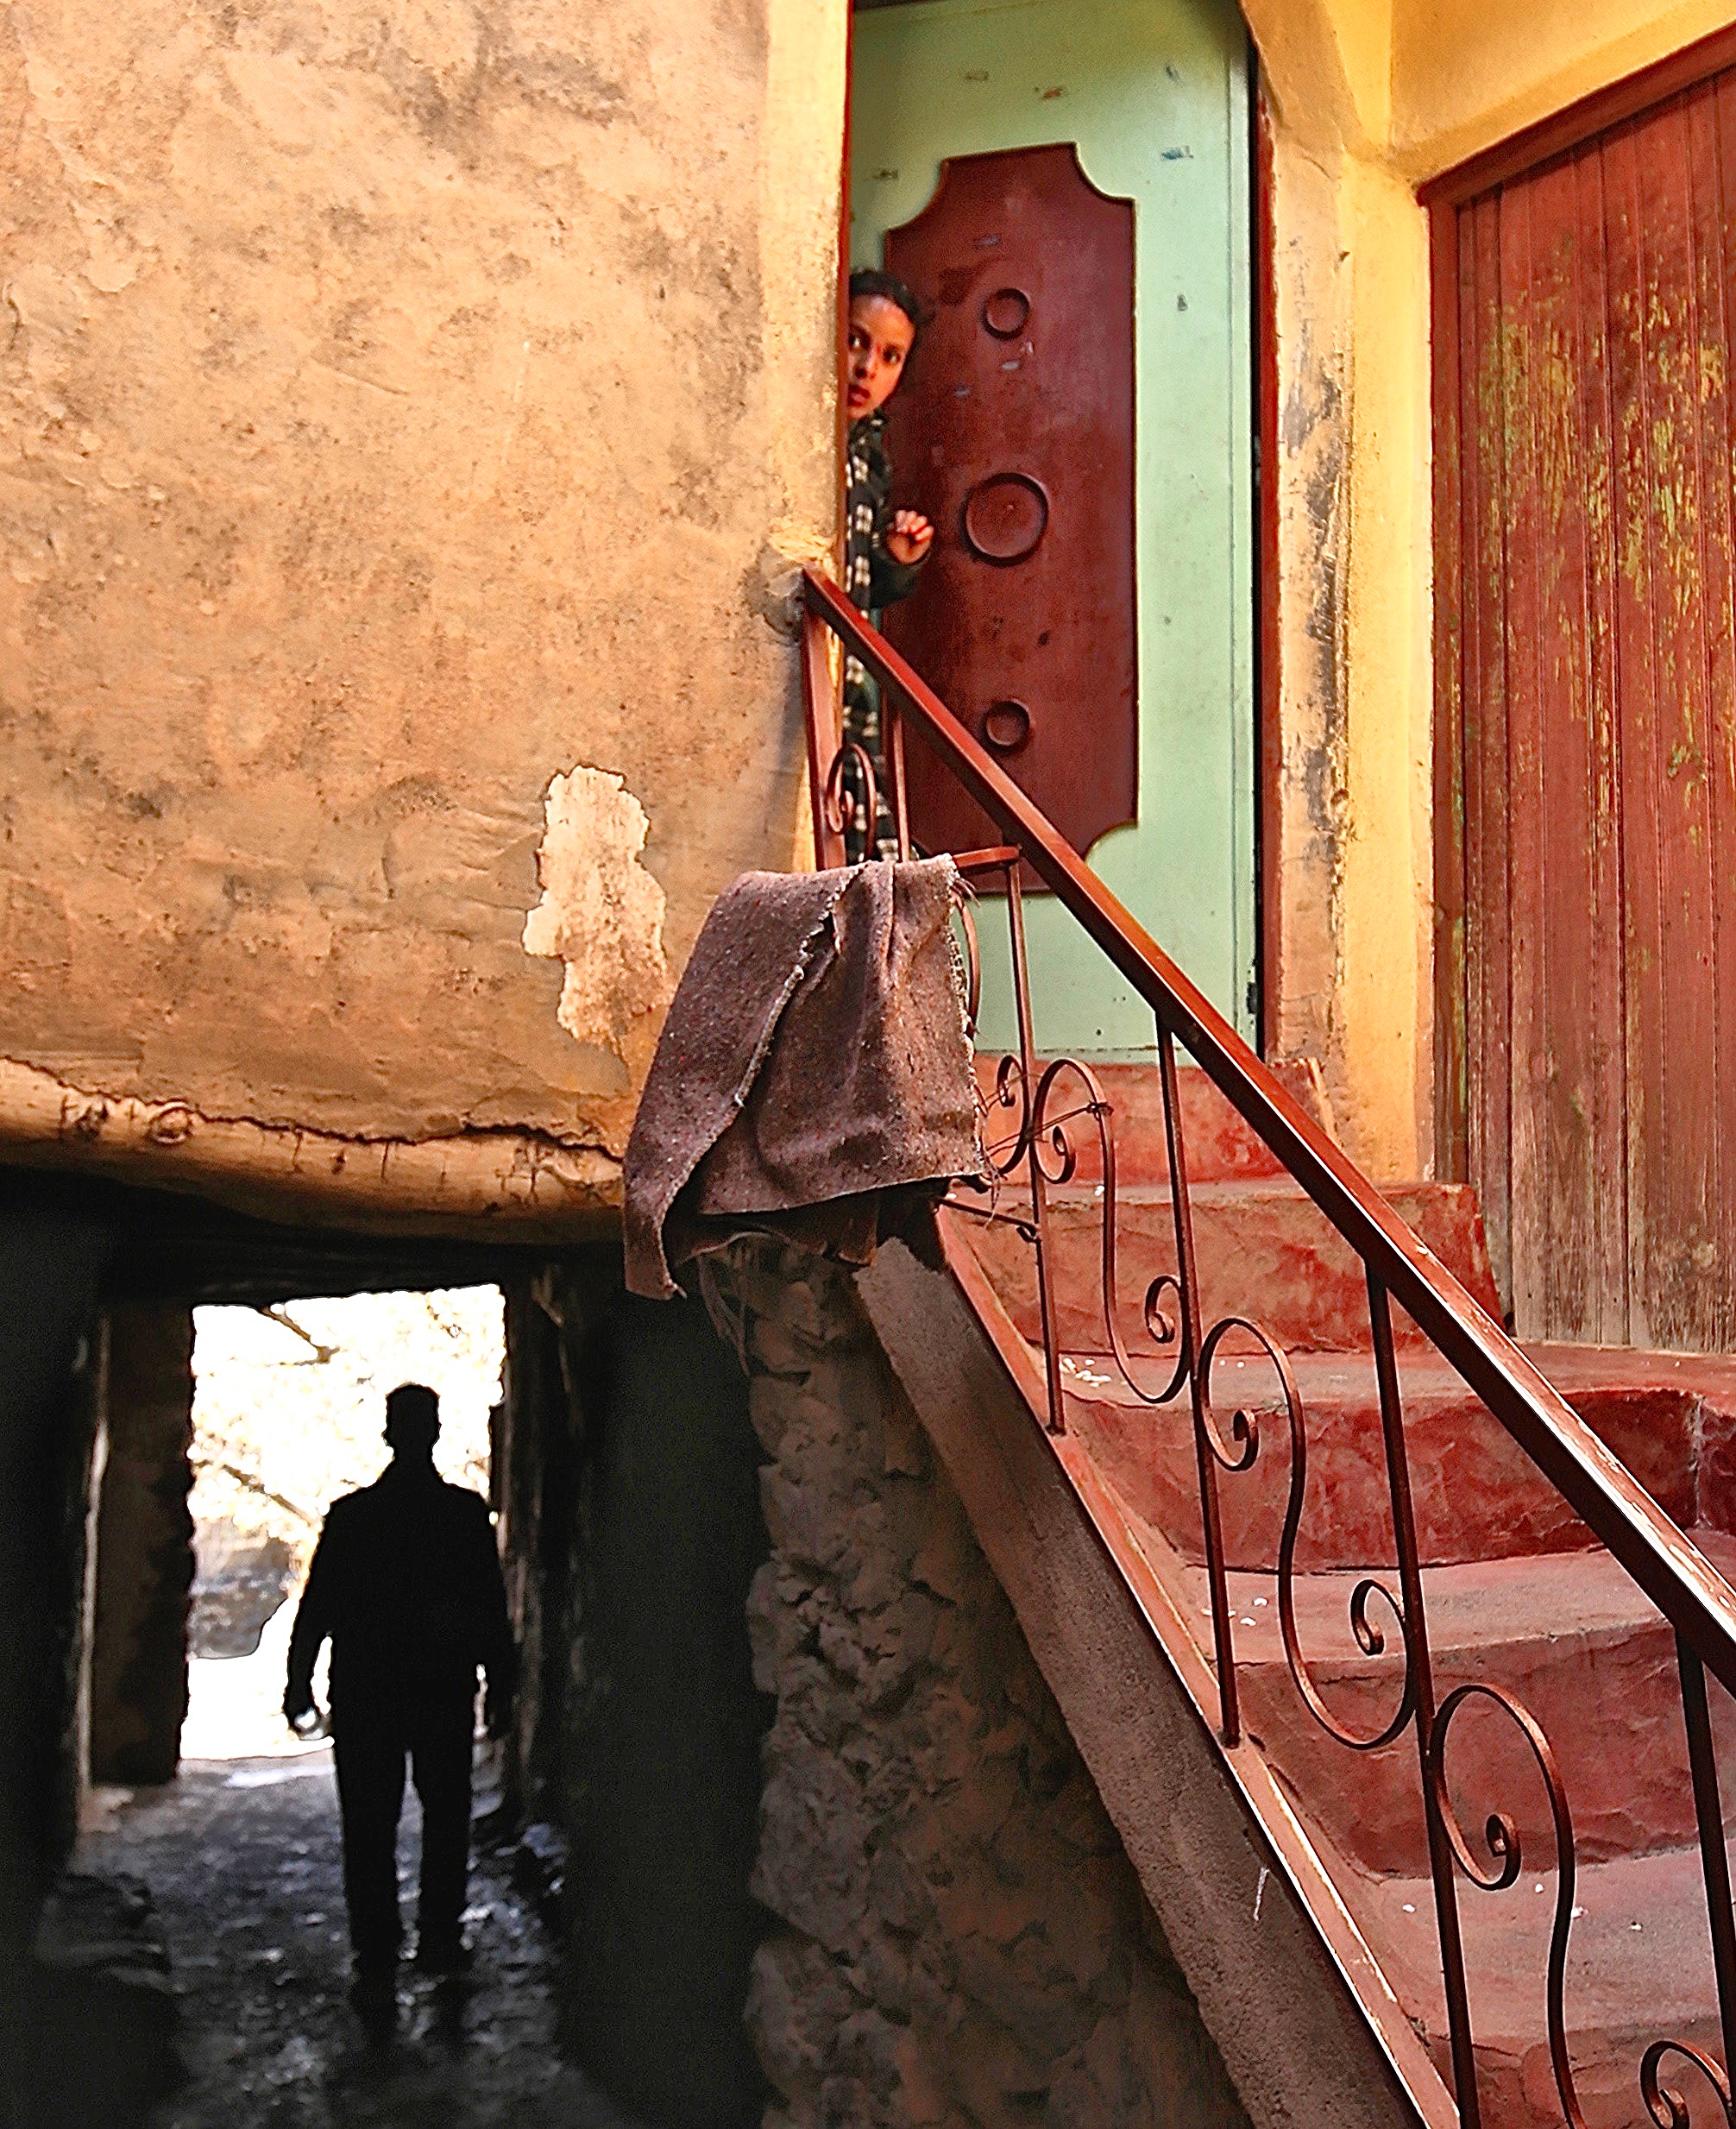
[
  {"x": 655, "y": 1770},
  {"x": 50, "y": 1370},
  {"x": 51, "y": 1367}
]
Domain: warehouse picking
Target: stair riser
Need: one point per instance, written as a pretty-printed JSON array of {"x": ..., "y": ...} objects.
[
  {"x": 1609, "y": 1705},
  {"x": 1267, "y": 1254},
  {"x": 1220, "y": 1147},
  {"x": 1715, "y": 1465},
  {"x": 1639, "y": 1969},
  {"x": 1475, "y": 1493},
  {"x": 1520, "y": 2093}
]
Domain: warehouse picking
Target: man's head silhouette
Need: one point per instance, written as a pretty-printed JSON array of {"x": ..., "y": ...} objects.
[{"x": 412, "y": 1422}]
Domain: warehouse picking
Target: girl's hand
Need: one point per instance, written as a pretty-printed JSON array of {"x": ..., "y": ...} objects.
[{"x": 909, "y": 537}]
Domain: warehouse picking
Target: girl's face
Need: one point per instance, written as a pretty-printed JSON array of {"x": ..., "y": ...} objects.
[{"x": 880, "y": 339}]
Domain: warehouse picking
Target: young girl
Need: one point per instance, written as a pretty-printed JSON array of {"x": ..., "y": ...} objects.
[{"x": 884, "y": 548}]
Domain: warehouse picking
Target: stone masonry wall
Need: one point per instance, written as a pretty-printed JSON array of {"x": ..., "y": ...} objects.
[{"x": 960, "y": 1939}]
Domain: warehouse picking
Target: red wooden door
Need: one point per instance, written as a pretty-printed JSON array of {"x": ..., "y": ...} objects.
[
  {"x": 1014, "y": 433},
  {"x": 1590, "y": 642}
]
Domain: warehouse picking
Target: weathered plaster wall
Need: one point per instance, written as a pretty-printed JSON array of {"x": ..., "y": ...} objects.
[
  {"x": 1385, "y": 1084},
  {"x": 1353, "y": 960},
  {"x": 960, "y": 1941},
  {"x": 401, "y": 408}
]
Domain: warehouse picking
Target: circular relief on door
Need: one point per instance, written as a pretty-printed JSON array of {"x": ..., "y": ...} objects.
[
  {"x": 1005, "y": 516},
  {"x": 1007, "y": 725},
  {"x": 1004, "y": 312}
]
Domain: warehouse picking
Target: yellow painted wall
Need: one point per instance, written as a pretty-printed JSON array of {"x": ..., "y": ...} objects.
[
  {"x": 1423, "y": 84},
  {"x": 1466, "y": 73},
  {"x": 1352, "y": 830},
  {"x": 1327, "y": 67}
]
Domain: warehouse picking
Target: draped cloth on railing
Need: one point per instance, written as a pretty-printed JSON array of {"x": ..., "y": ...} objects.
[{"x": 814, "y": 1079}]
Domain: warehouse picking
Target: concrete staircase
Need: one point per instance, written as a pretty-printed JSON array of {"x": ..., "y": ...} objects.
[{"x": 1518, "y": 1593}]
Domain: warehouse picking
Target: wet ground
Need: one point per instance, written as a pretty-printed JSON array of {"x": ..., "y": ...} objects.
[{"x": 241, "y": 1857}]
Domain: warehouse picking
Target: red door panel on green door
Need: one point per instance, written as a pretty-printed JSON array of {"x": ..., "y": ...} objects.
[{"x": 1014, "y": 433}]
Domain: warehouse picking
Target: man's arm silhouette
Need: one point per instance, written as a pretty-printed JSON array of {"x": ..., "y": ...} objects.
[{"x": 313, "y": 1621}]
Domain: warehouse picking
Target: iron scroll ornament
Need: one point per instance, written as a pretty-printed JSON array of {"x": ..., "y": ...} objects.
[
  {"x": 1041, "y": 1135},
  {"x": 1668, "y": 2107}
]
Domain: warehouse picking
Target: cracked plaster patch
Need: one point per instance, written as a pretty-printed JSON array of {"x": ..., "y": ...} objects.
[{"x": 601, "y": 912}]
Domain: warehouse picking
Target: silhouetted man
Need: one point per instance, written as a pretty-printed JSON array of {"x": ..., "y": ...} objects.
[{"x": 405, "y": 1581}]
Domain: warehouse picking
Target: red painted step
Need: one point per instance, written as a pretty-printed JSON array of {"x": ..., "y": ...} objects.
[
  {"x": 1639, "y": 1969},
  {"x": 1260, "y": 1245},
  {"x": 1572, "y": 1635},
  {"x": 1476, "y": 1495},
  {"x": 1220, "y": 1147},
  {"x": 1262, "y": 1248}
]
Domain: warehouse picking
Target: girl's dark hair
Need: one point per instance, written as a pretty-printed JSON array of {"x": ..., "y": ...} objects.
[{"x": 869, "y": 280}]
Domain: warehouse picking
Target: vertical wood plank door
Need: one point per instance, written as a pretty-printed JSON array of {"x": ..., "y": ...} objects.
[{"x": 1592, "y": 666}]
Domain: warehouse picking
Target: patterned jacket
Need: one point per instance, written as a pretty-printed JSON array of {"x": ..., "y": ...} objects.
[{"x": 873, "y": 580}]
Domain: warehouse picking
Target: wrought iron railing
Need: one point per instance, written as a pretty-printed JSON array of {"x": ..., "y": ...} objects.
[{"x": 1040, "y": 1108}]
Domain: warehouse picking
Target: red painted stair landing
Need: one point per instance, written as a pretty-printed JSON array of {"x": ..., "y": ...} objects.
[{"x": 1518, "y": 1593}]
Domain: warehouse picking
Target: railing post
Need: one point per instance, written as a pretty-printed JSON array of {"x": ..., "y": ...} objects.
[
  {"x": 892, "y": 738},
  {"x": 1040, "y": 1203},
  {"x": 1714, "y": 1860},
  {"x": 1441, "y": 1865},
  {"x": 825, "y": 735},
  {"x": 1187, "y": 1287}
]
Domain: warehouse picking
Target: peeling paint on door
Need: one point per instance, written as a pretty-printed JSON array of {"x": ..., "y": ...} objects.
[{"x": 1597, "y": 605}]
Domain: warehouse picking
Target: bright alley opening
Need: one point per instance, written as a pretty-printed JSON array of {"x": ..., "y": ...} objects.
[{"x": 288, "y": 1411}]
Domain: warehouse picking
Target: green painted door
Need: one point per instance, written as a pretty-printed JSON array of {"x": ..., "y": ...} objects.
[{"x": 1154, "y": 96}]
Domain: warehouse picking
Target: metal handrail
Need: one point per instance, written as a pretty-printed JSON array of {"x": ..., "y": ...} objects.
[
  {"x": 1695, "y": 1600},
  {"x": 1672, "y": 1571}
]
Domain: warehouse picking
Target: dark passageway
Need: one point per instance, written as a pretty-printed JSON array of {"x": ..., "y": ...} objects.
[
  {"x": 623, "y": 1472},
  {"x": 241, "y": 1857}
]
